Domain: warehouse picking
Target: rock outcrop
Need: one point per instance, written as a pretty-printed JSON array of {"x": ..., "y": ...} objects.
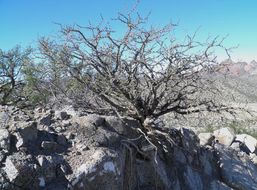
[{"x": 55, "y": 150}]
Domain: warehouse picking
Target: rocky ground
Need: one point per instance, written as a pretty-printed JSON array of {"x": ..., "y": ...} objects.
[{"x": 66, "y": 149}]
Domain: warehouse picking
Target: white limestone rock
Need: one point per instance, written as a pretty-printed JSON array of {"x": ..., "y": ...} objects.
[
  {"x": 205, "y": 138},
  {"x": 249, "y": 141},
  {"x": 224, "y": 136}
]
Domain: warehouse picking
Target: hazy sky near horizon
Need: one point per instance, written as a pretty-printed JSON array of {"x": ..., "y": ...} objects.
[{"x": 24, "y": 21}]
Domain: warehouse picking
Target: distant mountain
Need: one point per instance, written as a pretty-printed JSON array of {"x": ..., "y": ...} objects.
[
  {"x": 239, "y": 81},
  {"x": 230, "y": 67}
]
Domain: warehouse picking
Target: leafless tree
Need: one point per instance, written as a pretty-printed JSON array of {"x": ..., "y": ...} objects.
[
  {"x": 140, "y": 71},
  {"x": 11, "y": 63}
]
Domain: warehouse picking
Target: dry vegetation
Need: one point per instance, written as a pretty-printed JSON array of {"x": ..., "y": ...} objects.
[{"x": 143, "y": 72}]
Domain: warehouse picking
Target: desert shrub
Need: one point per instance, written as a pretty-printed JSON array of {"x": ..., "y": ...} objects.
[
  {"x": 11, "y": 80},
  {"x": 140, "y": 71}
]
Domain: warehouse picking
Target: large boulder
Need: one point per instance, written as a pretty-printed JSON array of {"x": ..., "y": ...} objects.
[
  {"x": 236, "y": 171},
  {"x": 224, "y": 136},
  {"x": 99, "y": 169},
  {"x": 20, "y": 171},
  {"x": 92, "y": 119},
  {"x": 49, "y": 167},
  {"x": 249, "y": 141},
  {"x": 106, "y": 152},
  {"x": 96, "y": 131},
  {"x": 26, "y": 133}
]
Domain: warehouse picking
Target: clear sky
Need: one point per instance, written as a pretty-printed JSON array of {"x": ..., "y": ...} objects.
[{"x": 24, "y": 21}]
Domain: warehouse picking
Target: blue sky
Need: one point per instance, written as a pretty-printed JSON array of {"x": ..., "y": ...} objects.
[{"x": 24, "y": 21}]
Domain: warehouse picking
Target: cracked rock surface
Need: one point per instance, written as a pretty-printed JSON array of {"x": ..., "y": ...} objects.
[{"x": 56, "y": 150}]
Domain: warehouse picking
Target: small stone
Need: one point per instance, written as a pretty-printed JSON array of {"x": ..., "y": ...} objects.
[
  {"x": 38, "y": 110},
  {"x": 4, "y": 139},
  {"x": 82, "y": 147},
  {"x": 16, "y": 118},
  {"x": 58, "y": 129},
  {"x": 20, "y": 142},
  {"x": 47, "y": 120},
  {"x": 70, "y": 136},
  {"x": 66, "y": 123},
  {"x": 235, "y": 146},
  {"x": 253, "y": 158},
  {"x": 41, "y": 160},
  {"x": 65, "y": 170},
  {"x": 62, "y": 115}
]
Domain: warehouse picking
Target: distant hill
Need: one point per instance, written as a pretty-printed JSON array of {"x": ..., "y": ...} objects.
[
  {"x": 239, "y": 81},
  {"x": 238, "y": 68}
]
